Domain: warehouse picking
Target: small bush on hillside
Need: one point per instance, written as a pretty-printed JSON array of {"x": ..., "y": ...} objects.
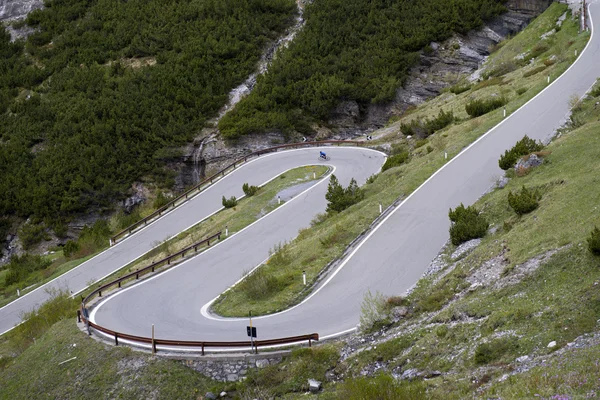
[
  {"x": 492, "y": 351},
  {"x": 524, "y": 202},
  {"x": 595, "y": 92},
  {"x": 594, "y": 241},
  {"x": 230, "y": 202},
  {"x": 534, "y": 71},
  {"x": 160, "y": 201},
  {"x": 467, "y": 224},
  {"x": 340, "y": 198},
  {"x": 70, "y": 248},
  {"x": 539, "y": 49},
  {"x": 373, "y": 311},
  {"x": 260, "y": 285},
  {"x": 372, "y": 178},
  {"x": 458, "y": 89},
  {"x": 421, "y": 143},
  {"x": 521, "y": 90},
  {"x": 477, "y": 108},
  {"x": 20, "y": 267},
  {"x": 426, "y": 127},
  {"x": 249, "y": 190},
  {"x": 522, "y": 148},
  {"x": 501, "y": 69},
  {"x": 31, "y": 234}
]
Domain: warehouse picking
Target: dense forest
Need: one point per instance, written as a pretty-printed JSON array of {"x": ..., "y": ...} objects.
[
  {"x": 349, "y": 50},
  {"x": 81, "y": 122}
]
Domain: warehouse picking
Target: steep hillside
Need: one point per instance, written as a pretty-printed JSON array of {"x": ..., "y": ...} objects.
[
  {"x": 512, "y": 315},
  {"x": 93, "y": 97}
]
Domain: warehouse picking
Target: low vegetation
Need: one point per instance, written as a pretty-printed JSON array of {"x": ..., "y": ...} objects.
[
  {"x": 594, "y": 241},
  {"x": 230, "y": 202},
  {"x": 467, "y": 224},
  {"x": 522, "y": 148},
  {"x": 525, "y": 201},
  {"x": 477, "y": 108},
  {"x": 427, "y": 127},
  {"x": 339, "y": 198}
]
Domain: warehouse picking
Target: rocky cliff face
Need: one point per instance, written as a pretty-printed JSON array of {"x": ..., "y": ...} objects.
[
  {"x": 440, "y": 67},
  {"x": 14, "y": 10}
]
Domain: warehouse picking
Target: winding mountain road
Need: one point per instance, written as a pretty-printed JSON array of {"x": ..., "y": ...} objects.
[{"x": 390, "y": 260}]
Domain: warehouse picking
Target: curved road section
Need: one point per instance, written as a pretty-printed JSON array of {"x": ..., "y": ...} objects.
[
  {"x": 390, "y": 260},
  {"x": 350, "y": 162}
]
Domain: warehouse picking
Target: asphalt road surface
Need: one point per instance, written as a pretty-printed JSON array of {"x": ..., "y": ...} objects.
[{"x": 390, "y": 260}]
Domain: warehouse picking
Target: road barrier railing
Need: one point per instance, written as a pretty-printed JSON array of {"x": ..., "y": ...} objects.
[
  {"x": 152, "y": 267},
  {"x": 184, "y": 197},
  {"x": 192, "y": 344},
  {"x": 83, "y": 314}
]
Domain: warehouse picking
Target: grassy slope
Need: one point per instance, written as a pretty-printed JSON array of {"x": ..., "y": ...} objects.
[
  {"x": 474, "y": 335},
  {"x": 313, "y": 249},
  {"x": 96, "y": 373}
]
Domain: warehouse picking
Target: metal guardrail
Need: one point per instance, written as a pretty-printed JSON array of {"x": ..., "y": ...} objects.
[
  {"x": 177, "y": 201},
  {"x": 154, "y": 342},
  {"x": 82, "y": 313},
  {"x": 167, "y": 260}
]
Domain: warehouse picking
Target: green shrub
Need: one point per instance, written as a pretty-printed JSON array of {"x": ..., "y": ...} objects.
[
  {"x": 429, "y": 149},
  {"x": 249, "y": 190},
  {"x": 467, "y": 224},
  {"x": 31, "y": 234},
  {"x": 160, "y": 201},
  {"x": 373, "y": 311},
  {"x": 539, "y": 49},
  {"x": 458, "y": 89},
  {"x": 259, "y": 285},
  {"x": 230, "y": 202},
  {"x": 501, "y": 70},
  {"x": 595, "y": 92},
  {"x": 340, "y": 198},
  {"x": 70, "y": 248},
  {"x": 492, "y": 351},
  {"x": 478, "y": 108},
  {"x": 524, "y": 202},
  {"x": 20, "y": 267},
  {"x": 421, "y": 143},
  {"x": 534, "y": 71},
  {"x": 426, "y": 127},
  {"x": 522, "y": 148},
  {"x": 521, "y": 90},
  {"x": 594, "y": 241}
]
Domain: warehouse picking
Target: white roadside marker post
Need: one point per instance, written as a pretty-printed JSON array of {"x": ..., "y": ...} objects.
[
  {"x": 226, "y": 231},
  {"x": 304, "y": 277},
  {"x": 278, "y": 200},
  {"x": 380, "y": 208}
]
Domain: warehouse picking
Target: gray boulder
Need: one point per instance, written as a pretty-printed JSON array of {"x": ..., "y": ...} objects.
[
  {"x": 314, "y": 386},
  {"x": 528, "y": 162}
]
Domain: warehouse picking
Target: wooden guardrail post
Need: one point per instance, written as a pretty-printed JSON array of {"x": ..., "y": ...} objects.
[{"x": 153, "y": 343}]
